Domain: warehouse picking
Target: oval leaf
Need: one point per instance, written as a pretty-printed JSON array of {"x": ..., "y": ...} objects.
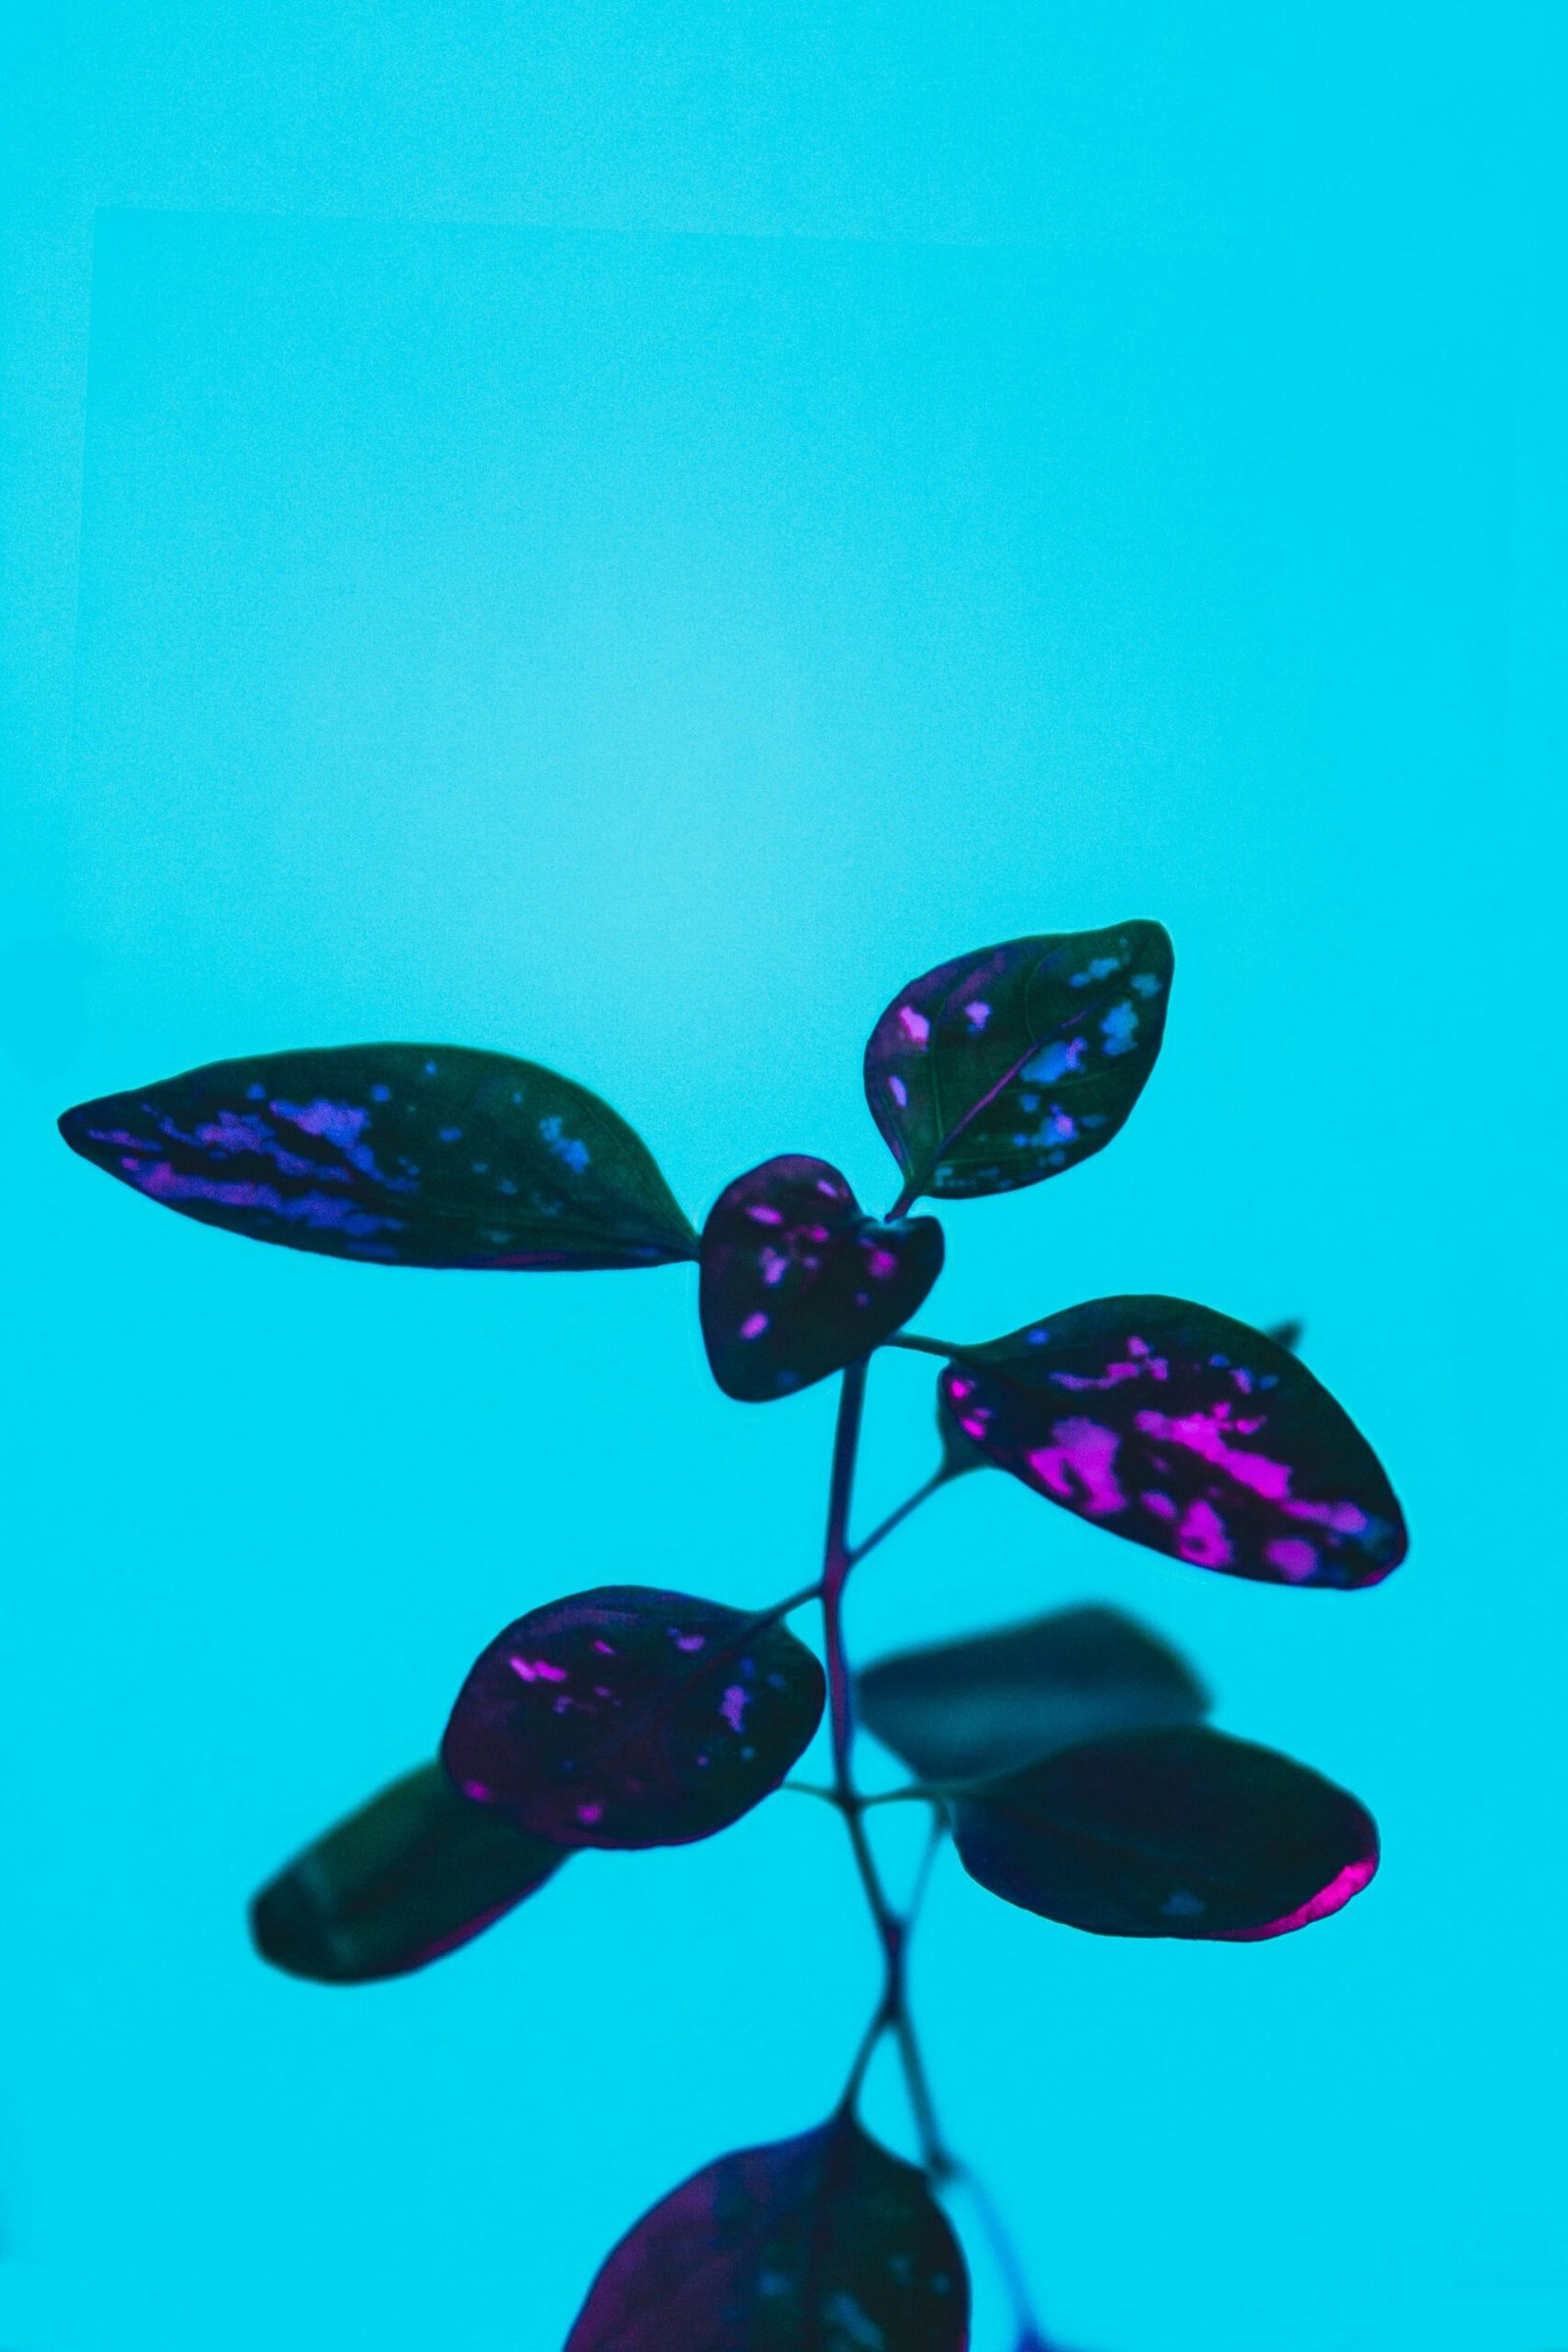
[
  {"x": 406, "y": 1156},
  {"x": 1008, "y": 1065},
  {"x": 824, "y": 2243},
  {"x": 1181, "y": 1831},
  {"x": 966, "y": 1710},
  {"x": 1188, "y": 1432},
  {"x": 631, "y": 1717},
  {"x": 413, "y": 1874},
  {"x": 798, "y": 1281}
]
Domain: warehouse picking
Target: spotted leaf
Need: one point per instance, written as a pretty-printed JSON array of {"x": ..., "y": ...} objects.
[
  {"x": 966, "y": 1710},
  {"x": 413, "y": 1874},
  {"x": 631, "y": 1717},
  {"x": 1188, "y": 1432},
  {"x": 1181, "y": 1831},
  {"x": 406, "y": 1155},
  {"x": 1012, "y": 1064},
  {"x": 824, "y": 2243},
  {"x": 797, "y": 1281}
]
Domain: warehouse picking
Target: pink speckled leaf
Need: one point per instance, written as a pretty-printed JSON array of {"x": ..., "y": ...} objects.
[
  {"x": 1006, "y": 1066},
  {"x": 412, "y": 1874},
  {"x": 824, "y": 2243},
  {"x": 1185, "y": 1430},
  {"x": 403, "y": 1155},
  {"x": 798, "y": 1281},
  {"x": 631, "y": 1717},
  {"x": 1181, "y": 1833}
]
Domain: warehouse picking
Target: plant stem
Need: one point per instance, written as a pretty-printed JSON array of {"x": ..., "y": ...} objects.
[
  {"x": 921, "y": 1345},
  {"x": 892, "y": 2013},
  {"x": 910, "y": 1502}
]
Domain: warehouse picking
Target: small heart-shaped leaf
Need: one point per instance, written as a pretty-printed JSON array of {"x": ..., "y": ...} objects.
[
  {"x": 631, "y": 1717},
  {"x": 1188, "y": 1432},
  {"x": 1181, "y": 1831},
  {"x": 824, "y": 2243},
  {"x": 413, "y": 1874},
  {"x": 406, "y": 1156},
  {"x": 798, "y": 1281},
  {"x": 966, "y": 1710},
  {"x": 1006, "y": 1066}
]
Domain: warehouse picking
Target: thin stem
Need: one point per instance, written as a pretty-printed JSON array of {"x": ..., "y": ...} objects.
[
  {"x": 1005, "y": 2254},
  {"x": 952, "y": 1349},
  {"x": 910, "y": 1502}
]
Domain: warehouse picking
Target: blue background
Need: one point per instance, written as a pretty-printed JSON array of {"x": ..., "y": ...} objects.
[{"x": 621, "y": 537}]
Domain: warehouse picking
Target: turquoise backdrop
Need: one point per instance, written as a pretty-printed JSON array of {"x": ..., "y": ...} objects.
[{"x": 620, "y": 536}]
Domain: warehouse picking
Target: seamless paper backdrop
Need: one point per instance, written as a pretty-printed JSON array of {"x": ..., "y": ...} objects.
[{"x": 643, "y": 652}]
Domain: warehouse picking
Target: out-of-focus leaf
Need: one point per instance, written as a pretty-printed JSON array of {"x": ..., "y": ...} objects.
[
  {"x": 966, "y": 1710},
  {"x": 406, "y": 1156},
  {"x": 1288, "y": 1335},
  {"x": 824, "y": 2243},
  {"x": 798, "y": 1281},
  {"x": 412, "y": 1874},
  {"x": 1006, "y": 1066},
  {"x": 1188, "y": 1432},
  {"x": 1181, "y": 1831},
  {"x": 632, "y": 1717}
]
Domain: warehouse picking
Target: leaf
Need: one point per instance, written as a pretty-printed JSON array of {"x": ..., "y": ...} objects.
[
  {"x": 824, "y": 2243},
  {"x": 631, "y": 1717},
  {"x": 1288, "y": 1335},
  {"x": 406, "y": 1155},
  {"x": 966, "y": 1710},
  {"x": 1181, "y": 1831},
  {"x": 1188, "y": 1432},
  {"x": 1008, "y": 1065},
  {"x": 412, "y": 1874},
  {"x": 798, "y": 1281},
  {"x": 959, "y": 1453}
]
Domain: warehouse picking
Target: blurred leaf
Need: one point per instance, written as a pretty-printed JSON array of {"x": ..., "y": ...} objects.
[
  {"x": 1181, "y": 1831},
  {"x": 631, "y": 1717},
  {"x": 408, "y": 1156},
  {"x": 1187, "y": 1432},
  {"x": 1288, "y": 1335},
  {"x": 824, "y": 2243},
  {"x": 797, "y": 1281},
  {"x": 966, "y": 1710},
  {"x": 1008, "y": 1065},
  {"x": 412, "y": 1874}
]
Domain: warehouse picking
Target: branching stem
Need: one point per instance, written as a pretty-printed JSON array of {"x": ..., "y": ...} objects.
[{"x": 893, "y": 1927}]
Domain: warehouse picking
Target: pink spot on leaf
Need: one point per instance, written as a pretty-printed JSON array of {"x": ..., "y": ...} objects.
[
  {"x": 1329, "y": 1899},
  {"x": 1080, "y": 1467}
]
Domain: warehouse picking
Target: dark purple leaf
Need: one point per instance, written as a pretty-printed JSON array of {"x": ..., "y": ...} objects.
[
  {"x": 413, "y": 1874},
  {"x": 966, "y": 1710},
  {"x": 824, "y": 2243},
  {"x": 1188, "y": 1432},
  {"x": 406, "y": 1155},
  {"x": 1180, "y": 1832},
  {"x": 959, "y": 1453},
  {"x": 630, "y": 1717},
  {"x": 797, "y": 1281},
  {"x": 1008, "y": 1065}
]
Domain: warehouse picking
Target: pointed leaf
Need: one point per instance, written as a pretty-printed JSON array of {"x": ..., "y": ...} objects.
[
  {"x": 798, "y": 1281},
  {"x": 1182, "y": 1832},
  {"x": 631, "y": 1717},
  {"x": 406, "y": 1155},
  {"x": 413, "y": 1874},
  {"x": 824, "y": 2243},
  {"x": 1188, "y": 1432},
  {"x": 1288, "y": 1335},
  {"x": 1006, "y": 1066},
  {"x": 966, "y": 1710}
]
